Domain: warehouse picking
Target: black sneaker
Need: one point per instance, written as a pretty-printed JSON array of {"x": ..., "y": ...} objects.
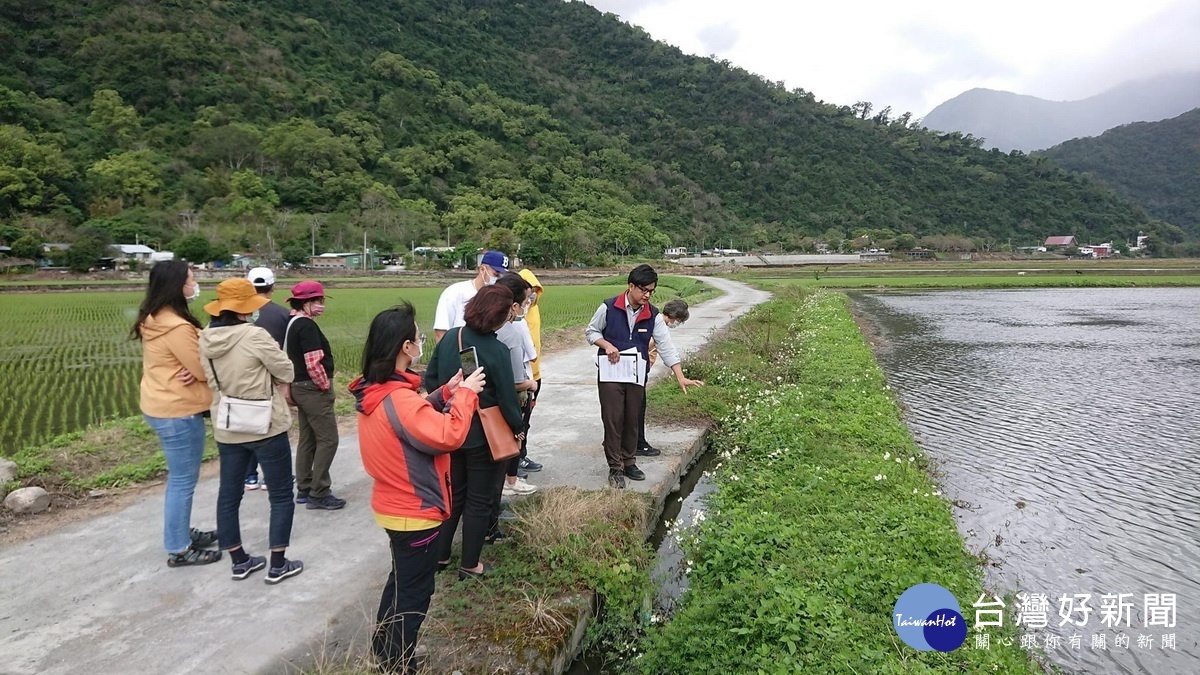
[
  {"x": 616, "y": 479},
  {"x": 634, "y": 473},
  {"x": 253, "y": 564},
  {"x": 302, "y": 496},
  {"x": 530, "y": 465},
  {"x": 290, "y": 569},
  {"x": 522, "y": 473},
  {"x": 648, "y": 451},
  {"x": 326, "y": 503}
]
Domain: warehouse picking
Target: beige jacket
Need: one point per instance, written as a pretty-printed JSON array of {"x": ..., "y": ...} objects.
[
  {"x": 249, "y": 365},
  {"x": 170, "y": 343}
]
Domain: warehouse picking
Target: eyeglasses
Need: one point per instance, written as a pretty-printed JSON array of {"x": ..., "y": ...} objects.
[{"x": 647, "y": 291}]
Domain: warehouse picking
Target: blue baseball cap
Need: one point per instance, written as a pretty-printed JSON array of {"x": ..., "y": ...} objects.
[{"x": 496, "y": 260}]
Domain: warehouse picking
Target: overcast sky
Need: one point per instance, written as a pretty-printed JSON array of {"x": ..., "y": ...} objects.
[{"x": 915, "y": 54}]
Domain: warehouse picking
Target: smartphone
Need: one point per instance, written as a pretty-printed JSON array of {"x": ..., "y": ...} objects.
[{"x": 469, "y": 360}]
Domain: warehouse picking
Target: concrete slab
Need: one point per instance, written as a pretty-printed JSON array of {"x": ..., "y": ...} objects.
[{"x": 97, "y": 596}]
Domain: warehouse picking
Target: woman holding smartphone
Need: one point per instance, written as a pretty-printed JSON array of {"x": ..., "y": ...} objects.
[
  {"x": 406, "y": 441},
  {"x": 474, "y": 478}
]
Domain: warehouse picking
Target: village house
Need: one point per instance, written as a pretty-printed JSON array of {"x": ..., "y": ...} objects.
[
  {"x": 1060, "y": 242},
  {"x": 137, "y": 252},
  {"x": 352, "y": 261}
]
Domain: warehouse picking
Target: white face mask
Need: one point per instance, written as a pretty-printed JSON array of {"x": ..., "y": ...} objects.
[
  {"x": 492, "y": 279},
  {"x": 420, "y": 352},
  {"x": 195, "y": 292},
  {"x": 254, "y": 317}
]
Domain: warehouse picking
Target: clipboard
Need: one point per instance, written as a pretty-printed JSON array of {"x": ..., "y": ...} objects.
[{"x": 631, "y": 368}]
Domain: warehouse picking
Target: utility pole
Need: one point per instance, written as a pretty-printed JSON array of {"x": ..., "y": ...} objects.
[{"x": 364, "y": 250}]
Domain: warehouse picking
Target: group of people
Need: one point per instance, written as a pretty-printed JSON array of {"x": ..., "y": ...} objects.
[
  {"x": 421, "y": 436},
  {"x": 252, "y": 349}
]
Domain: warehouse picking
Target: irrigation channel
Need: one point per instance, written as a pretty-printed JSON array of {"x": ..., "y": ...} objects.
[
  {"x": 680, "y": 510},
  {"x": 1065, "y": 425}
]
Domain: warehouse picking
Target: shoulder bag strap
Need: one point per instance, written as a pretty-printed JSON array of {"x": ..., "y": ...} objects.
[
  {"x": 214, "y": 369},
  {"x": 287, "y": 331}
]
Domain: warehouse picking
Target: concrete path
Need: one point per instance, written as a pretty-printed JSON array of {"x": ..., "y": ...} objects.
[{"x": 97, "y": 596}]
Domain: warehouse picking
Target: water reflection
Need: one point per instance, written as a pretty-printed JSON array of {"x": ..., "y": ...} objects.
[{"x": 1068, "y": 420}]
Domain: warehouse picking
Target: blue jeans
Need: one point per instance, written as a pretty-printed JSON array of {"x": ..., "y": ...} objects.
[
  {"x": 274, "y": 454},
  {"x": 182, "y": 440}
]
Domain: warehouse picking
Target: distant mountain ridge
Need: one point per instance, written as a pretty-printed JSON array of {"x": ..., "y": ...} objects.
[
  {"x": 1155, "y": 164},
  {"x": 1011, "y": 121}
]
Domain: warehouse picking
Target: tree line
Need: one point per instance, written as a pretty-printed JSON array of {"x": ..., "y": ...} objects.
[{"x": 284, "y": 128}]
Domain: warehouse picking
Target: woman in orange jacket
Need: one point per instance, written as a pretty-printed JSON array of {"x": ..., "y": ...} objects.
[{"x": 405, "y": 439}]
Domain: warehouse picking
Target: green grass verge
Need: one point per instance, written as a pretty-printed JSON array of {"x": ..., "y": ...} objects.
[
  {"x": 825, "y": 513},
  {"x": 107, "y": 455}
]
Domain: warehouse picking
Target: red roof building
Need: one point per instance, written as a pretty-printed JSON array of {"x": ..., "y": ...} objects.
[{"x": 1059, "y": 241}]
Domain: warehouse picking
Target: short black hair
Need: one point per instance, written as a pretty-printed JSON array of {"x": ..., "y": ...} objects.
[
  {"x": 298, "y": 304},
  {"x": 228, "y": 317},
  {"x": 264, "y": 289},
  {"x": 643, "y": 275},
  {"x": 517, "y": 284},
  {"x": 390, "y": 329},
  {"x": 677, "y": 309}
]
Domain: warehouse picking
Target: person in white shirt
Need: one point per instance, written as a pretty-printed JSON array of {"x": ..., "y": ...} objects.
[{"x": 453, "y": 301}]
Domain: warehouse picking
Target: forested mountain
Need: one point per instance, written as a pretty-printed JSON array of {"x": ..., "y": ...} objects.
[
  {"x": 1011, "y": 121},
  {"x": 262, "y": 124},
  {"x": 1156, "y": 164}
]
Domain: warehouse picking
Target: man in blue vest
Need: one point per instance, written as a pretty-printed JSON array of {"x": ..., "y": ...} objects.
[{"x": 629, "y": 320}]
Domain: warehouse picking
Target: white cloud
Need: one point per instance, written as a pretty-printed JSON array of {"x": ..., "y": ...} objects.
[{"x": 914, "y": 55}]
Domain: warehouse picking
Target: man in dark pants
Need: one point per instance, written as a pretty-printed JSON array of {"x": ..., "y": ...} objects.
[
  {"x": 620, "y": 323},
  {"x": 273, "y": 318}
]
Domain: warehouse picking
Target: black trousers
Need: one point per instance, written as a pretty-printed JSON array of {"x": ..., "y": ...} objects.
[
  {"x": 642, "y": 426},
  {"x": 620, "y": 411},
  {"x": 405, "y": 599},
  {"x": 526, "y": 413},
  {"x": 475, "y": 485}
]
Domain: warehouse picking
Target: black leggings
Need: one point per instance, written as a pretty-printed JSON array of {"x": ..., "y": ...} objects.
[
  {"x": 526, "y": 413},
  {"x": 475, "y": 482}
]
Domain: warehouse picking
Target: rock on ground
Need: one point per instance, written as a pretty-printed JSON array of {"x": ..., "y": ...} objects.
[
  {"x": 28, "y": 500},
  {"x": 8, "y": 470}
]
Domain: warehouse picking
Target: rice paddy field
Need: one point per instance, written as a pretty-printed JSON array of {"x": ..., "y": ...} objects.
[{"x": 66, "y": 360}]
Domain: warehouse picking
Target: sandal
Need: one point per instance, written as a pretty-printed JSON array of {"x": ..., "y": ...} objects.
[
  {"x": 464, "y": 574},
  {"x": 193, "y": 556},
  {"x": 202, "y": 538}
]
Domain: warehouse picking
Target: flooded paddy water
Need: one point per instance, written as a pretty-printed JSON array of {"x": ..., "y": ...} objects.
[{"x": 1066, "y": 426}]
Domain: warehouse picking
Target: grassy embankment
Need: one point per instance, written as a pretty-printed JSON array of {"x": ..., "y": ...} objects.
[
  {"x": 72, "y": 353},
  {"x": 824, "y": 515}
]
